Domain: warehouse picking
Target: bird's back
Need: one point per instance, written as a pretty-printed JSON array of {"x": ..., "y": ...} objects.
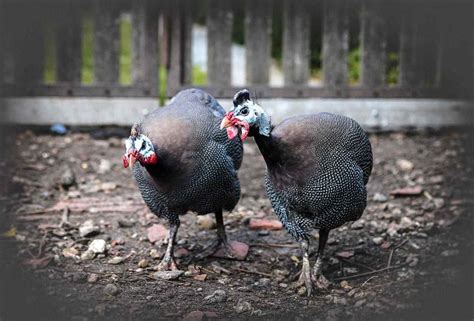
[
  {"x": 196, "y": 163},
  {"x": 325, "y": 163}
]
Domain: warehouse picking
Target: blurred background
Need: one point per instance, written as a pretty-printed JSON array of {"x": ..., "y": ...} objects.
[
  {"x": 76, "y": 74},
  {"x": 58, "y": 56}
]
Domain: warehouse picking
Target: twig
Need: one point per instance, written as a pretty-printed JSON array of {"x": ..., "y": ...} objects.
[
  {"x": 355, "y": 276},
  {"x": 356, "y": 264},
  {"x": 275, "y": 245},
  {"x": 374, "y": 276},
  {"x": 65, "y": 218},
  {"x": 253, "y": 272},
  {"x": 43, "y": 241},
  {"x": 390, "y": 256}
]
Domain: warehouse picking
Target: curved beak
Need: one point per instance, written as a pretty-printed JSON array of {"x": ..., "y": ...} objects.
[
  {"x": 132, "y": 159},
  {"x": 226, "y": 122}
]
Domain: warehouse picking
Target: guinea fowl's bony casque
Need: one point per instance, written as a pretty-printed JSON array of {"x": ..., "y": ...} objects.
[
  {"x": 183, "y": 162},
  {"x": 317, "y": 169}
]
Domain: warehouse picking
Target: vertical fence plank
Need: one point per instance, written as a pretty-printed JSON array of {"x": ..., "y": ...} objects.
[
  {"x": 219, "y": 41},
  {"x": 106, "y": 42},
  {"x": 258, "y": 23},
  {"x": 408, "y": 43},
  {"x": 335, "y": 44},
  {"x": 180, "y": 69},
  {"x": 26, "y": 28},
  {"x": 373, "y": 44},
  {"x": 145, "y": 46},
  {"x": 68, "y": 46},
  {"x": 296, "y": 42},
  {"x": 456, "y": 76}
]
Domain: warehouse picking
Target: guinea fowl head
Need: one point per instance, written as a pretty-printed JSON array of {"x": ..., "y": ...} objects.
[
  {"x": 139, "y": 148},
  {"x": 244, "y": 116}
]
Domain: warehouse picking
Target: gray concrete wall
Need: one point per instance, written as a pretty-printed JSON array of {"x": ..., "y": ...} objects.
[{"x": 386, "y": 114}]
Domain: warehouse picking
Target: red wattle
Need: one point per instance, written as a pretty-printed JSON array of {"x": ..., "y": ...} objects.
[
  {"x": 152, "y": 159},
  {"x": 125, "y": 161}
]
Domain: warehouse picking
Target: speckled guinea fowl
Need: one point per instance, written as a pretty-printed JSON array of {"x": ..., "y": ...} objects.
[
  {"x": 317, "y": 169},
  {"x": 184, "y": 162}
]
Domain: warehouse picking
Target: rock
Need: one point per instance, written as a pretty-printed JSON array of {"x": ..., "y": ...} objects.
[
  {"x": 181, "y": 252},
  {"x": 239, "y": 250},
  {"x": 302, "y": 291},
  {"x": 377, "y": 240},
  {"x": 218, "y": 296},
  {"x": 87, "y": 255},
  {"x": 379, "y": 197},
  {"x": 88, "y": 229},
  {"x": 155, "y": 254},
  {"x": 407, "y": 223},
  {"x": 438, "y": 179},
  {"x": 392, "y": 229},
  {"x": 97, "y": 246},
  {"x": 167, "y": 275},
  {"x": 438, "y": 202},
  {"x": 157, "y": 232},
  {"x": 264, "y": 224},
  {"x": 70, "y": 252},
  {"x": 116, "y": 260},
  {"x": 104, "y": 166},
  {"x": 108, "y": 186},
  {"x": 345, "y": 285},
  {"x": 405, "y": 165},
  {"x": 407, "y": 191},
  {"x": 345, "y": 254},
  {"x": 243, "y": 306},
  {"x": 68, "y": 178},
  {"x": 199, "y": 316},
  {"x": 111, "y": 289},
  {"x": 357, "y": 225},
  {"x": 206, "y": 222},
  {"x": 200, "y": 277},
  {"x": 124, "y": 223},
  {"x": 92, "y": 278},
  {"x": 143, "y": 263}
]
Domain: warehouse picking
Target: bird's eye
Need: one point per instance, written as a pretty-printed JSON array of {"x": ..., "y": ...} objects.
[{"x": 244, "y": 111}]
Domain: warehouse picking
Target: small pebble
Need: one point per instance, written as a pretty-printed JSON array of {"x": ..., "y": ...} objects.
[{"x": 111, "y": 289}]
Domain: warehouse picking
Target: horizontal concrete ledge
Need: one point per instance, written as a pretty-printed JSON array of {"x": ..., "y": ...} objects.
[{"x": 387, "y": 114}]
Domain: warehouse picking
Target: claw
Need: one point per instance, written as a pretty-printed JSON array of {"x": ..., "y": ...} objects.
[{"x": 167, "y": 264}]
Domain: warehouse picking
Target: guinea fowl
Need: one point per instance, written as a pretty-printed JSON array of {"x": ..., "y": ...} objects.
[
  {"x": 317, "y": 169},
  {"x": 183, "y": 162}
]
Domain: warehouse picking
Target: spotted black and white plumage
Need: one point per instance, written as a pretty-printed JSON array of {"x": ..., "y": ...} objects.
[
  {"x": 318, "y": 180},
  {"x": 317, "y": 169},
  {"x": 197, "y": 164}
]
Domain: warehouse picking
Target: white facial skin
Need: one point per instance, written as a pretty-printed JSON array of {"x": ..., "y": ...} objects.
[
  {"x": 142, "y": 144},
  {"x": 248, "y": 112}
]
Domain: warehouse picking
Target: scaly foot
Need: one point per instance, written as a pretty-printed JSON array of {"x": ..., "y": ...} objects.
[{"x": 167, "y": 264}]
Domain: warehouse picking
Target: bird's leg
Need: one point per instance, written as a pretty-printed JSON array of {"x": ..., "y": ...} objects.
[
  {"x": 168, "y": 263},
  {"x": 221, "y": 240},
  {"x": 318, "y": 278},
  {"x": 305, "y": 276}
]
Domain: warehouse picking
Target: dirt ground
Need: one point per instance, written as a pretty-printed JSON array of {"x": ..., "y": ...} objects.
[{"x": 408, "y": 257}]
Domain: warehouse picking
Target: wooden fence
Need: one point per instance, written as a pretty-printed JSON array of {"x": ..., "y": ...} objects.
[{"x": 429, "y": 45}]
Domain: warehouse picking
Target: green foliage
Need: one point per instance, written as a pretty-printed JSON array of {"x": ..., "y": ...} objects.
[
  {"x": 49, "y": 71},
  {"x": 199, "y": 76},
  {"x": 163, "y": 74},
  {"x": 87, "y": 45},
  {"x": 353, "y": 63},
  {"x": 393, "y": 70},
  {"x": 125, "y": 52}
]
